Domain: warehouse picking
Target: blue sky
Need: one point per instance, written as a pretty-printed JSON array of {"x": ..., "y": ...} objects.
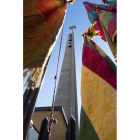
[{"x": 77, "y": 16}]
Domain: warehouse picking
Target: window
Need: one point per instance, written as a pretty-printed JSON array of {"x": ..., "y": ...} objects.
[
  {"x": 69, "y": 45},
  {"x": 70, "y": 35}
]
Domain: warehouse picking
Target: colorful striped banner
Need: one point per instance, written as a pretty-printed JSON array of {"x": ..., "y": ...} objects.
[
  {"x": 42, "y": 21},
  {"x": 98, "y": 92},
  {"x": 106, "y": 22}
]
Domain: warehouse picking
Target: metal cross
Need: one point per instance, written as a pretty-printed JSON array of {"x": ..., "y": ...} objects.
[{"x": 72, "y": 27}]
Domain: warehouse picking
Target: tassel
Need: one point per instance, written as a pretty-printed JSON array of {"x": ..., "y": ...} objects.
[{"x": 25, "y": 73}]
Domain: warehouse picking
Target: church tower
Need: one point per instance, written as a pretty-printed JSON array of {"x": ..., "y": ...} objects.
[{"x": 66, "y": 94}]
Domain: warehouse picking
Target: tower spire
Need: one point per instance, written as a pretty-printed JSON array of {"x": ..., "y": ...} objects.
[{"x": 66, "y": 94}]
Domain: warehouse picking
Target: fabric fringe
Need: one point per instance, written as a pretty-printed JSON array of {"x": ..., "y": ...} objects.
[
  {"x": 34, "y": 77},
  {"x": 26, "y": 73}
]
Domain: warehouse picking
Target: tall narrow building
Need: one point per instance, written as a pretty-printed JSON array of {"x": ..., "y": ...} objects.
[{"x": 66, "y": 94}]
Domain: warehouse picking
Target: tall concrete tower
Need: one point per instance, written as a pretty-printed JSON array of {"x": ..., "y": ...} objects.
[{"x": 66, "y": 94}]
